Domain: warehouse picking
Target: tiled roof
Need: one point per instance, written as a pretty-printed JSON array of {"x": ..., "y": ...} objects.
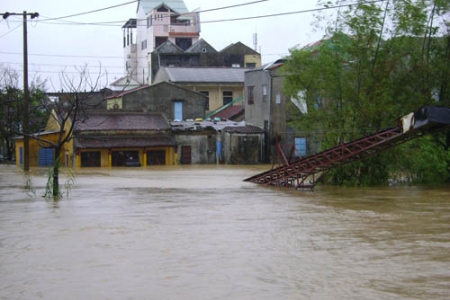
[
  {"x": 219, "y": 75},
  {"x": 123, "y": 121},
  {"x": 124, "y": 142}
]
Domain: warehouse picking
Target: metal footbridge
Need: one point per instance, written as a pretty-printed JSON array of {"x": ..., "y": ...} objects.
[{"x": 305, "y": 173}]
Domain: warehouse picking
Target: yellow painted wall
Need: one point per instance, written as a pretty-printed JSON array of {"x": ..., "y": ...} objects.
[
  {"x": 216, "y": 93},
  {"x": 111, "y": 104},
  {"x": 34, "y": 147},
  {"x": 106, "y": 157},
  {"x": 250, "y": 58}
]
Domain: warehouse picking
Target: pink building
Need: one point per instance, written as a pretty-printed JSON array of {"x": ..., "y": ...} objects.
[{"x": 156, "y": 23}]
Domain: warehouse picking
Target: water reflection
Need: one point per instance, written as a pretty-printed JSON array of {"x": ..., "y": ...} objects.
[{"x": 203, "y": 233}]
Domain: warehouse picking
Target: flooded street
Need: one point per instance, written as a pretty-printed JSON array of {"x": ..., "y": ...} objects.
[{"x": 201, "y": 233}]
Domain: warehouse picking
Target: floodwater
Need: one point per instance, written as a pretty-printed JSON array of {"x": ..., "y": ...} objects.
[{"x": 200, "y": 232}]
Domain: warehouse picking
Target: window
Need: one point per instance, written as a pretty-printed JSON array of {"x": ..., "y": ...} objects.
[
  {"x": 206, "y": 93},
  {"x": 264, "y": 92},
  {"x": 250, "y": 65},
  {"x": 278, "y": 98},
  {"x": 149, "y": 21},
  {"x": 183, "y": 43},
  {"x": 250, "y": 95},
  {"x": 300, "y": 147},
  {"x": 227, "y": 97},
  {"x": 178, "y": 110},
  {"x": 144, "y": 44},
  {"x": 159, "y": 40}
]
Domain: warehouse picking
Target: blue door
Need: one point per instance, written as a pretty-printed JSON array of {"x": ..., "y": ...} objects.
[
  {"x": 46, "y": 157},
  {"x": 21, "y": 156},
  {"x": 300, "y": 147},
  {"x": 178, "y": 110}
]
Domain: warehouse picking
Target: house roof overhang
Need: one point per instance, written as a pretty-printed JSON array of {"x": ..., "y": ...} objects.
[{"x": 108, "y": 142}]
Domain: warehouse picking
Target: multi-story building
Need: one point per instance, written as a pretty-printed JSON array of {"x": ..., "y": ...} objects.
[
  {"x": 156, "y": 23},
  {"x": 166, "y": 34},
  {"x": 267, "y": 107}
]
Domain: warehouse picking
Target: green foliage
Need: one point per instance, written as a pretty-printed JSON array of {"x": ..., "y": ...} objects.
[
  {"x": 380, "y": 61},
  {"x": 424, "y": 161},
  {"x": 52, "y": 189},
  {"x": 12, "y": 109}
]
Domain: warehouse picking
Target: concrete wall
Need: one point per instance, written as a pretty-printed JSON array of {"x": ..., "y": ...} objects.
[
  {"x": 161, "y": 98},
  {"x": 245, "y": 149},
  {"x": 216, "y": 92},
  {"x": 257, "y": 114},
  {"x": 203, "y": 146}
]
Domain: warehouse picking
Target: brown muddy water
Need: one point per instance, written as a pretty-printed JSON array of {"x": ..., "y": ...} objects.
[{"x": 202, "y": 233}]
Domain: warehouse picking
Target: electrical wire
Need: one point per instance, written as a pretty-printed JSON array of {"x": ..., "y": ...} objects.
[
  {"x": 93, "y": 11},
  {"x": 55, "y": 65},
  {"x": 62, "y": 55},
  {"x": 120, "y": 23}
]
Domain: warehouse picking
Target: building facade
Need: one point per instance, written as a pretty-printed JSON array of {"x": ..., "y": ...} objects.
[
  {"x": 156, "y": 22},
  {"x": 220, "y": 86},
  {"x": 166, "y": 34},
  {"x": 266, "y": 106},
  {"x": 123, "y": 139},
  {"x": 176, "y": 103}
]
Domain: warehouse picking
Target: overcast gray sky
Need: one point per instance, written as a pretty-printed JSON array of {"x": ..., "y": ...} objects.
[{"x": 96, "y": 38}]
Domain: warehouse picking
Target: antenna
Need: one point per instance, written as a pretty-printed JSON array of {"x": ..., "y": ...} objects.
[{"x": 255, "y": 41}]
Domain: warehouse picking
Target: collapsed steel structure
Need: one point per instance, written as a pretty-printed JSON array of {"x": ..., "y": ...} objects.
[{"x": 305, "y": 173}]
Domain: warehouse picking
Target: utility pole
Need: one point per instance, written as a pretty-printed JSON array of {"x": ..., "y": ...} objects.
[{"x": 26, "y": 92}]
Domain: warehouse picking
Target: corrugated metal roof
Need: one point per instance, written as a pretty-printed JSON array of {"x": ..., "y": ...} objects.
[
  {"x": 230, "y": 112},
  {"x": 244, "y": 129},
  {"x": 177, "y": 6},
  {"x": 229, "y": 126},
  {"x": 216, "y": 75},
  {"x": 123, "y": 121}
]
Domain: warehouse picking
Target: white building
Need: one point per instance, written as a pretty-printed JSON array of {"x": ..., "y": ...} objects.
[{"x": 156, "y": 23}]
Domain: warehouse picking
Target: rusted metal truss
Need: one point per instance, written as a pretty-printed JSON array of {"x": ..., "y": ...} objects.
[{"x": 306, "y": 172}]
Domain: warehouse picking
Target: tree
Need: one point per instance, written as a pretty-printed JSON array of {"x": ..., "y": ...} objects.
[
  {"x": 378, "y": 61},
  {"x": 75, "y": 99},
  {"x": 68, "y": 109},
  {"x": 11, "y": 108}
]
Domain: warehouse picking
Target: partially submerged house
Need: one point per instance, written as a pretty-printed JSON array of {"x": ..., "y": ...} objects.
[
  {"x": 118, "y": 139},
  {"x": 211, "y": 142},
  {"x": 135, "y": 131},
  {"x": 267, "y": 107},
  {"x": 41, "y": 150}
]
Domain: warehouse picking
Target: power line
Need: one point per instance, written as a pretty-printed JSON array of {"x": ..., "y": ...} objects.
[
  {"x": 120, "y": 23},
  {"x": 112, "y": 23},
  {"x": 289, "y": 13},
  {"x": 70, "y": 72},
  {"x": 62, "y": 55},
  {"x": 58, "y": 65},
  {"x": 93, "y": 11}
]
